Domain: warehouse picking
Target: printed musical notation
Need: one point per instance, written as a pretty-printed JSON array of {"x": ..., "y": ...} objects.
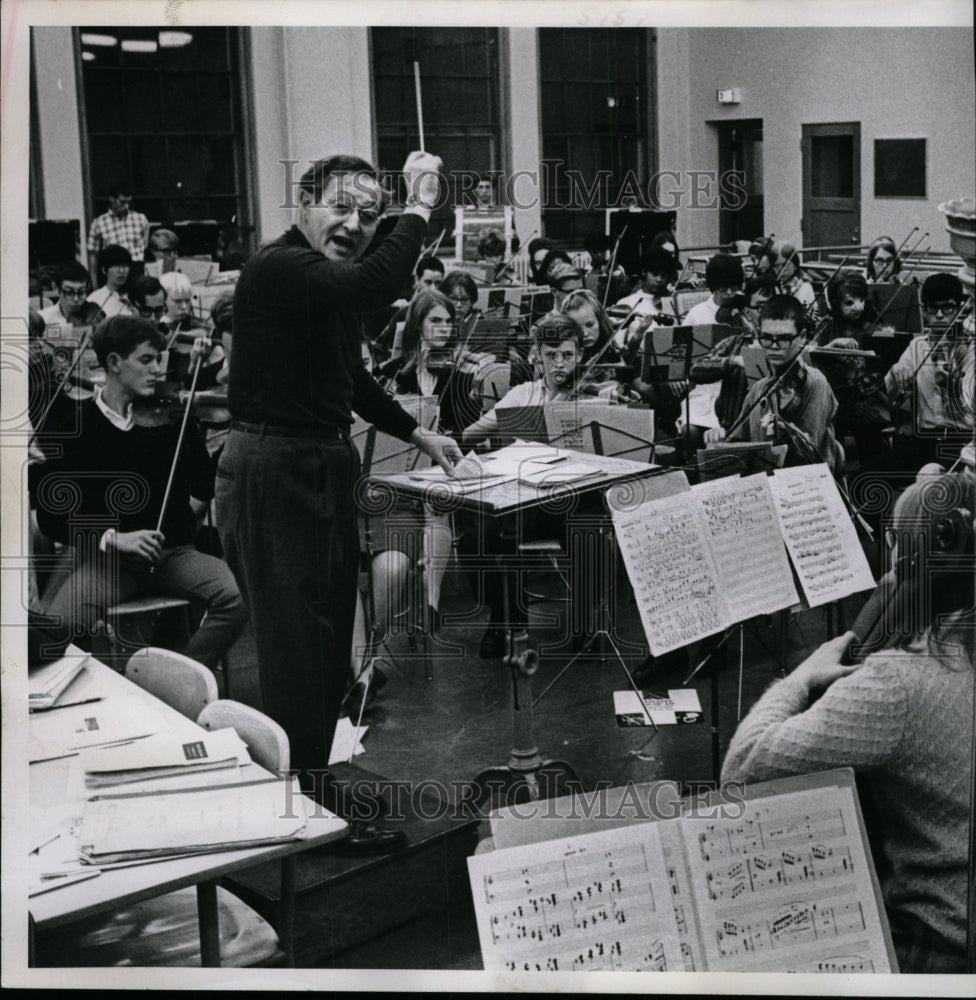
[
  {"x": 740, "y": 518},
  {"x": 820, "y": 535},
  {"x": 583, "y": 903},
  {"x": 672, "y": 572},
  {"x": 746, "y": 874}
]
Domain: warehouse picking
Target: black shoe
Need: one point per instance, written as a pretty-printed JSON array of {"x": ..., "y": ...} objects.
[
  {"x": 368, "y": 838},
  {"x": 492, "y": 643}
]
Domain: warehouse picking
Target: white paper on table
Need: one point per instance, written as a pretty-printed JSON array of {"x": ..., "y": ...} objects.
[
  {"x": 65, "y": 731},
  {"x": 600, "y": 901},
  {"x": 347, "y": 742},
  {"x": 746, "y": 544},
  {"x": 820, "y": 535},
  {"x": 786, "y": 887},
  {"x": 163, "y": 752}
]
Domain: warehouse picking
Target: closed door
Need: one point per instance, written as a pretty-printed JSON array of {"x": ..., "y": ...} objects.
[{"x": 831, "y": 184}]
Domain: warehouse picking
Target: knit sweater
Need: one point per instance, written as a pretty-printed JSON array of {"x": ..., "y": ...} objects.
[
  {"x": 907, "y": 720},
  {"x": 107, "y": 477}
]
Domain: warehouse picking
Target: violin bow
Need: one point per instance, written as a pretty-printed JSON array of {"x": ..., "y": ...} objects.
[
  {"x": 613, "y": 264},
  {"x": 179, "y": 442},
  {"x": 75, "y": 361}
]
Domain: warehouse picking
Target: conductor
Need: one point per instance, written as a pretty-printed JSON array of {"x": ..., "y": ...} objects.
[{"x": 286, "y": 479}]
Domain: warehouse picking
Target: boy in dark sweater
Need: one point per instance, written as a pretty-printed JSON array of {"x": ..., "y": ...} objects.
[{"x": 104, "y": 495}]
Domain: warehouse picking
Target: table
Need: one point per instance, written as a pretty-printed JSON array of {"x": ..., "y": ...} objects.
[
  {"x": 519, "y": 778},
  {"x": 49, "y": 781}
]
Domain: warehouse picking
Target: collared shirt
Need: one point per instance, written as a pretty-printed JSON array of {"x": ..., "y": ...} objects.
[
  {"x": 936, "y": 383},
  {"x": 524, "y": 394},
  {"x": 124, "y": 422},
  {"x": 129, "y": 231}
]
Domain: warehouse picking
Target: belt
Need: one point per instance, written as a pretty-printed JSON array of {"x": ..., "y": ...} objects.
[{"x": 325, "y": 432}]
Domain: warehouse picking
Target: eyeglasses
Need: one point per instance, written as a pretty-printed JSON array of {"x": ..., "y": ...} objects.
[
  {"x": 152, "y": 312},
  {"x": 461, "y": 300},
  {"x": 367, "y": 216},
  {"x": 782, "y": 340},
  {"x": 74, "y": 293},
  {"x": 940, "y": 307}
]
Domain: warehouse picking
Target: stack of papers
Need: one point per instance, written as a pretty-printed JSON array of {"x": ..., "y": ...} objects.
[
  {"x": 162, "y": 756},
  {"x": 53, "y": 861},
  {"x": 48, "y": 683},
  {"x": 164, "y": 824},
  {"x": 70, "y": 729}
]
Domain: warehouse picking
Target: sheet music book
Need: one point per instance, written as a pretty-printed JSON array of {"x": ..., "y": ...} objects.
[
  {"x": 161, "y": 756},
  {"x": 48, "y": 682},
  {"x": 820, "y": 536},
  {"x": 210, "y": 818},
  {"x": 701, "y": 561},
  {"x": 780, "y": 880}
]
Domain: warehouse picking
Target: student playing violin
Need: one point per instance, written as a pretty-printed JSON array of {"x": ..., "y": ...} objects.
[
  {"x": 794, "y": 405},
  {"x": 116, "y": 471}
]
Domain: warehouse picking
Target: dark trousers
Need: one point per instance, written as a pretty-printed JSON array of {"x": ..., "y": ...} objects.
[{"x": 287, "y": 519}]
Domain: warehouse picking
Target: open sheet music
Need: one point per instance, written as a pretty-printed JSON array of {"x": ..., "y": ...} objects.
[
  {"x": 820, "y": 535},
  {"x": 704, "y": 560},
  {"x": 778, "y": 881}
]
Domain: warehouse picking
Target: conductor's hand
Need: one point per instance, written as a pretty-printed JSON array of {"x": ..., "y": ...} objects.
[
  {"x": 144, "y": 544},
  {"x": 443, "y": 450},
  {"x": 714, "y": 434},
  {"x": 422, "y": 174},
  {"x": 822, "y": 667}
]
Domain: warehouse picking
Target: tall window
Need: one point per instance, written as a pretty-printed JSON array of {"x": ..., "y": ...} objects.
[
  {"x": 459, "y": 98},
  {"x": 594, "y": 102},
  {"x": 163, "y": 117}
]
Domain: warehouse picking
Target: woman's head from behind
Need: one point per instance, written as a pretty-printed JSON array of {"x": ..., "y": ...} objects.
[{"x": 931, "y": 541}]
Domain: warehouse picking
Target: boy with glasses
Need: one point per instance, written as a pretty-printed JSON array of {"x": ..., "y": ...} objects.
[
  {"x": 932, "y": 382},
  {"x": 71, "y": 308},
  {"x": 801, "y": 401}
]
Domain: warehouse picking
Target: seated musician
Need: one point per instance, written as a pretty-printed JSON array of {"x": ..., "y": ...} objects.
[
  {"x": 930, "y": 386},
  {"x": 724, "y": 277},
  {"x": 461, "y": 289},
  {"x": 759, "y": 259},
  {"x": 794, "y": 405},
  {"x": 851, "y": 315},
  {"x": 724, "y": 362},
  {"x": 562, "y": 275},
  {"x": 428, "y": 274},
  {"x": 785, "y": 264},
  {"x": 558, "y": 341},
  {"x": 112, "y": 298},
  {"x": 903, "y": 719},
  {"x": 115, "y": 472},
  {"x": 598, "y": 347},
  {"x": 651, "y": 304},
  {"x": 429, "y": 364},
  {"x": 491, "y": 249},
  {"x": 179, "y": 302},
  {"x": 538, "y": 250},
  {"x": 72, "y": 308},
  {"x": 164, "y": 246},
  {"x": 148, "y": 297},
  {"x": 883, "y": 263}
]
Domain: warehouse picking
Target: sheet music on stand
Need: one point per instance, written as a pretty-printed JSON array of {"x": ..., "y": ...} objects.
[
  {"x": 780, "y": 880},
  {"x": 390, "y": 454},
  {"x": 702, "y": 561},
  {"x": 819, "y": 534}
]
